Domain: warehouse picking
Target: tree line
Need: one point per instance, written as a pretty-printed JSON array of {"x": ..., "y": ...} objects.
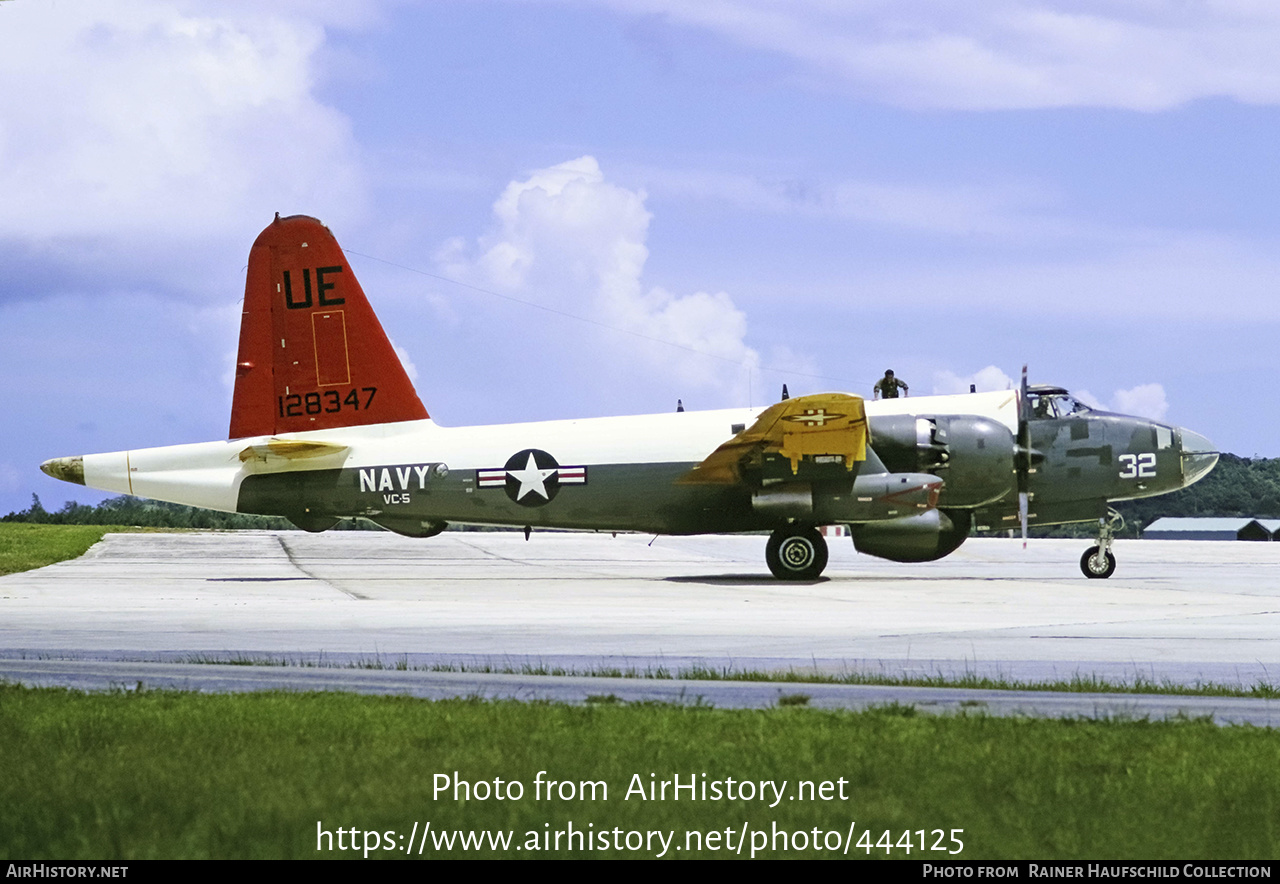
[{"x": 142, "y": 513}]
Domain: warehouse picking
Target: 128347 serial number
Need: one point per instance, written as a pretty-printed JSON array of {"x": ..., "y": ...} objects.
[{"x": 326, "y": 402}]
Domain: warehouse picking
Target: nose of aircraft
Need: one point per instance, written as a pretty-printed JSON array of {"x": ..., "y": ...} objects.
[
  {"x": 68, "y": 469},
  {"x": 1199, "y": 456}
]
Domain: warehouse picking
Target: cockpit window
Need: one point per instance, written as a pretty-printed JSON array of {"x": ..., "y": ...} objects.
[
  {"x": 1077, "y": 407},
  {"x": 1051, "y": 405}
]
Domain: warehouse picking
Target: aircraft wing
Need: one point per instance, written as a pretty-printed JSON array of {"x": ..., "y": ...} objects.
[{"x": 828, "y": 428}]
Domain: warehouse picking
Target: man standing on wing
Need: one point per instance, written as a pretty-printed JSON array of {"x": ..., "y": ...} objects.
[{"x": 887, "y": 386}]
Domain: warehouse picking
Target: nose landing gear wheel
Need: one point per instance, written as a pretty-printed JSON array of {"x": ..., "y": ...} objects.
[
  {"x": 796, "y": 553},
  {"x": 1096, "y": 563}
]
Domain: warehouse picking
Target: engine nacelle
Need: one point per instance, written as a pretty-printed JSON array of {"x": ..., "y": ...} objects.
[
  {"x": 973, "y": 455},
  {"x": 921, "y": 538}
]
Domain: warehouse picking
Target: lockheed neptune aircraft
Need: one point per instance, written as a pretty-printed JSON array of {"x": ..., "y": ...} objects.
[{"x": 325, "y": 425}]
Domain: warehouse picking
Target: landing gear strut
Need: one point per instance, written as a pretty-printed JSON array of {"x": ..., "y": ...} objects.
[
  {"x": 1097, "y": 561},
  {"x": 796, "y": 553}
]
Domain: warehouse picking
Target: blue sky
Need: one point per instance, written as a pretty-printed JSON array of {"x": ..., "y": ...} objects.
[{"x": 724, "y": 195}]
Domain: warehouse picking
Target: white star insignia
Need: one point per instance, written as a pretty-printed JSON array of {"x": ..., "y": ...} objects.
[
  {"x": 532, "y": 478},
  {"x": 814, "y": 417}
]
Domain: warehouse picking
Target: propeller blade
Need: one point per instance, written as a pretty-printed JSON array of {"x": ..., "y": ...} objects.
[
  {"x": 1024, "y": 400},
  {"x": 1022, "y": 516},
  {"x": 1024, "y": 454}
]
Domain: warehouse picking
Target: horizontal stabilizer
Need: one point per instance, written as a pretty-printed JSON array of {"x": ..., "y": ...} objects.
[{"x": 282, "y": 451}]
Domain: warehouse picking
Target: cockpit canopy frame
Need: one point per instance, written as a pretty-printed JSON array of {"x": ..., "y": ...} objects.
[{"x": 1048, "y": 402}]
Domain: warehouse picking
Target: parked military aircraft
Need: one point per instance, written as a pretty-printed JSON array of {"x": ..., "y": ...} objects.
[{"x": 326, "y": 425}]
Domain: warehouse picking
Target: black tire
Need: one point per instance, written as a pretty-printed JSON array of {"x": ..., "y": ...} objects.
[
  {"x": 796, "y": 553},
  {"x": 1094, "y": 567}
]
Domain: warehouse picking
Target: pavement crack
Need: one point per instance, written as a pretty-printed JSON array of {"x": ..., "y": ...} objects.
[{"x": 293, "y": 560}]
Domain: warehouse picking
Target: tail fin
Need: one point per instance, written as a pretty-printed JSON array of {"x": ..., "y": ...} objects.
[{"x": 313, "y": 355}]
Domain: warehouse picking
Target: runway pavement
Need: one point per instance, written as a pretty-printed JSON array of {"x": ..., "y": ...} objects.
[{"x": 1178, "y": 611}]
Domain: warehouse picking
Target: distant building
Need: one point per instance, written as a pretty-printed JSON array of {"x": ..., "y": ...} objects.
[{"x": 1211, "y": 529}]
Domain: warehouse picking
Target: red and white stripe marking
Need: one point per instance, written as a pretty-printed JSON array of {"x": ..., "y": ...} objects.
[
  {"x": 491, "y": 478},
  {"x": 572, "y": 475},
  {"x": 498, "y": 478}
]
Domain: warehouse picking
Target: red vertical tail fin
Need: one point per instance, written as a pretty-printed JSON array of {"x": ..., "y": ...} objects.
[{"x": 313, "y": 355}]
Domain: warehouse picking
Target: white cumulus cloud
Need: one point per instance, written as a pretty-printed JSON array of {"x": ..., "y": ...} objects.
[
  {"x": 1144, "y": 400},
  {"x": 144, "y": 126},
  {"x": 567, "y": 238},
  {"x": 984, "y": 380}
]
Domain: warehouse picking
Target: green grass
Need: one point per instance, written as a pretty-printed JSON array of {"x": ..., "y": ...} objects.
[
  {"x": 24, "y": 546},
  {"x": 137, "y": 775}
]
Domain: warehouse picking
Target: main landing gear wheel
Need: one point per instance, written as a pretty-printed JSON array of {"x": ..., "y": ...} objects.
[
  {"x": 1096, "y": 563},
  {"x": 796, "y": 553}
]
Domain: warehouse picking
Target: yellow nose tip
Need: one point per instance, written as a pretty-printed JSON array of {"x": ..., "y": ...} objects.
[{"x": 68, "y": 469}]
